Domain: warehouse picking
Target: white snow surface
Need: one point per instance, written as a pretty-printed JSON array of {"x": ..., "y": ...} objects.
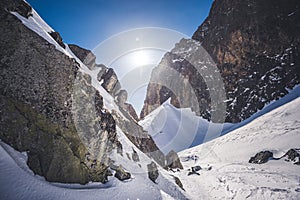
[
  {"x": 178, "y": 129},
  {"x": 231, "y": 176}
]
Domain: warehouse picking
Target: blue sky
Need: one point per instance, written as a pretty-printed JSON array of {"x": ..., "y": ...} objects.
[{"x": 89, "y": 22}]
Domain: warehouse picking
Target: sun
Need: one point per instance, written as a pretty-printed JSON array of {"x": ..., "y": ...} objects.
[{"x": 140, "y": 58}]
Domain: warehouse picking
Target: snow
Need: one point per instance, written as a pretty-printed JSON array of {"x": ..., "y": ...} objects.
[
  {"x": 231, "y": 176},
  {"x": 38, "y": 25},
  {"x": 178, "y": 129}
]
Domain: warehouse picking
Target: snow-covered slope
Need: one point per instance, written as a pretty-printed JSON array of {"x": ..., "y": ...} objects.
[
  {"x": 17, "y": 181},
  {"x": 178, "y": 129},
  {"x": 231, "y": 176}
]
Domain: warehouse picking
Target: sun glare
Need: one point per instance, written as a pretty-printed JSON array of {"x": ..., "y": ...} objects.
[{"x": 140, "y": 58}]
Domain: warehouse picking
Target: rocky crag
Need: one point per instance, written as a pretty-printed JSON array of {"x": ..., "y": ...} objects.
[
  {"x": 47, "y": 103},
  {"x": 255, "y": 46}
]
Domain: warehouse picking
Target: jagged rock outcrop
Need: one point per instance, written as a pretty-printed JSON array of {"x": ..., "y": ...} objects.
[
  {"x": 109, "y": 80},
  {"x": 292, "y": 155},
  {"x": 20, "y": 7},
  {"x": 261, "y": 157},
  {"x": 135, "y": 156},
  {"x": 56, "y": 36},
  {"x": 138, "y": 136},
  {"x": 173, "y": 160},
  {"x": 50, "y": 109},
  {"x": 152, "y": 171},
  {"x": 38, "y": 93},
  {"x": 255, "y": 45},
  {"x": 121, "y": 100},
  {"x": 178, "y": 182},
  {"x": 86, "y": 56},
  {"x": 121, "y": 174}
]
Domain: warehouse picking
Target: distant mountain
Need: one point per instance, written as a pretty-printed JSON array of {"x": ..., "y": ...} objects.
[{"x": 255, "y": 45}]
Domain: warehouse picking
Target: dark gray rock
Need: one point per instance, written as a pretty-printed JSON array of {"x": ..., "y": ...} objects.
[
  {"x": 261, "y": 157},
  {"x": 56, "y": 36},
  {"x": 178, "y": 182},
  {"x": 110, "y": 82},
  {"x": 86, "y": 56},
  {"x": 152, "y": 171},
  {"x": 196, "y": 168},
  {"x": 173, "y": 160},
  {"x": 121, "y": 174},
  {"x": 20, "y": 7},
  {"x": 121, "y": 100},
  {"x": 292, "y": 156},
  {"x": 135, "y": 156},
  {"x": 140, "y": 138}
]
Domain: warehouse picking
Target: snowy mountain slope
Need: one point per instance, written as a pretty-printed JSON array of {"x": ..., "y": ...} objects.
[
  {"x": 178, "y": 129},
  {"x": 231, "y": 176},
  {"x": 17, "y": 181},
  {"x": 169, "y": 125}
]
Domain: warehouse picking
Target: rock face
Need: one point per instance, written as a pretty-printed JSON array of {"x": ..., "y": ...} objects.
[
  {"x": 261, "y": 157},
  {"x": 255, "y": 45},
  {"x": 56, "y": 36},
  {"x": 173, "y": 160},
  {"x": 86, "y": 56},
  {"x": 39, "y": 87},
  {"x": 152, "y": 171},
  {"x": 109, "y": 81},
  {"x": 121, "y": 99},
  {"x": 138, "y": 136},
  {"x": 50, "y": 109}
]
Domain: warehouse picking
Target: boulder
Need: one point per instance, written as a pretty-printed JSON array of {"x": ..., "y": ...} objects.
[
  {"x": 152, "y": 171},
  {"x": 110, "y": 82},
  {"x": 56, "y": 36},
  {"x": 196, "y": 168},
  {"x": 121, "y": 174},
  {"x": 173, "y": 160},
  {"x": 292, "y": 156},
  {"x": 135, "y": 156},
  {"x": 261, "y": 157}
]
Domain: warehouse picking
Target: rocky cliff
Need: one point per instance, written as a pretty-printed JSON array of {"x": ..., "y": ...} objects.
[
  {"x": 49, "y": 107},
  {"x": 255, "y": 46}
]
